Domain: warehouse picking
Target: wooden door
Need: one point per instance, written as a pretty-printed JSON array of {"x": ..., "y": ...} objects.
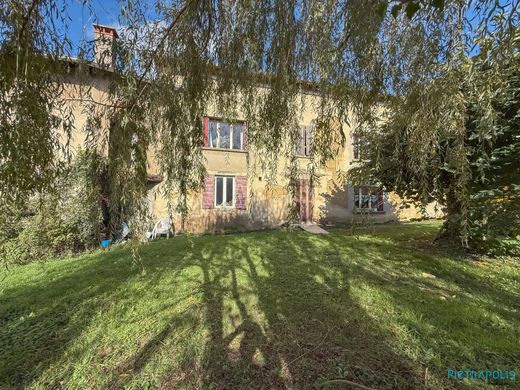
[{"x": 303, "y": 199}]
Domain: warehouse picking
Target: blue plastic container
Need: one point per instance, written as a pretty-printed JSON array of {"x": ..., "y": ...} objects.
[{"x": 105, "y": 243}]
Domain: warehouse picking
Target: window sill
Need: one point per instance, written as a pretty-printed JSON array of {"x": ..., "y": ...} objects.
[
  {"x": 302, "y": 156},
  {"x": 356, "y": 211},
  {"x": 225, "y": 150},
  {"x": 224, "y": 208}
]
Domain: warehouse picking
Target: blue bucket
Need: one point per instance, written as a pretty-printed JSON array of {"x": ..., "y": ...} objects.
[{"x": 105, "y": 243}]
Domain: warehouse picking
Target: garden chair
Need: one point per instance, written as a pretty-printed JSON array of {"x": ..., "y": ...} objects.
[{"x": 162, "y": 227}]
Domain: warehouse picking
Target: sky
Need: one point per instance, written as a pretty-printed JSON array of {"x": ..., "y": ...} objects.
[
  {"x": 82, "y": 16},
  {"x": 83, "y": 13}
]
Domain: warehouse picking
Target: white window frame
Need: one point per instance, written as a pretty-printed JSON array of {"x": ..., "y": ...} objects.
[
  {"x": 231, "y": 133},
  {"x": 356, "y": 144},
  {"x": 224, "y": 190}
]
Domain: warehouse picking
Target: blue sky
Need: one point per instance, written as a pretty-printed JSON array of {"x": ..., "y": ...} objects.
[{"x": 84, "y": 15}]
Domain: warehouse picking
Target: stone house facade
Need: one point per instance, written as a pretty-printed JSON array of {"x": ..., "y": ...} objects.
[{"x": 235, "y": 194}]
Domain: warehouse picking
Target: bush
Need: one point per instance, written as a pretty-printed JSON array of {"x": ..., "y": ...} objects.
[{"x": 64, "y": 222}]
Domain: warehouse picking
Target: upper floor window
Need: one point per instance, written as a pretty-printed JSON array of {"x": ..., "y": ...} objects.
[
  {"x": 357, "y": 146},
  {"x": 225, "y": 135},
  {"x": 304, "y": 142},
  {"x": 368, "y": 199}
]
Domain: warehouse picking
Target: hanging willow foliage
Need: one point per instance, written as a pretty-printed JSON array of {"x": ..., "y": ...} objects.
[{"x": 374, "y": 59}]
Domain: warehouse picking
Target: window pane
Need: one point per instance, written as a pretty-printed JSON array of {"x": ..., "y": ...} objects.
[
  {"x": 308, "y": 140},
  {"x": 229, "y": 191},
  {"x": 212, "y": 134},
  {"x": 219, "y": 191},
  {"x": 365, "y": 198},
  {"x": 356, "y": 147},
  {"x": 238, "y": 128},
  {"x": 224, "y": 135},
  {"x": 299, "y": 147},
  {"x": 373, "y": 200}
]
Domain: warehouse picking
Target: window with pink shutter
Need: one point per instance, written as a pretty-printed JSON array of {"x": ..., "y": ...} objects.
[
  {"x": 370, "y": 199},
  {"x": 380, "y": 200}
]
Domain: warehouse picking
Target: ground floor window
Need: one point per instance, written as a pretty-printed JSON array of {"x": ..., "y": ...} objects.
[
  {"x": 224, "y": 191},
  {"x": 369, "y": 199}
]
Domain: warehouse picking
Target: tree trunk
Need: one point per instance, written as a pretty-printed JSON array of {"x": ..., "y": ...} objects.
[{"x": 452, "y": 228}]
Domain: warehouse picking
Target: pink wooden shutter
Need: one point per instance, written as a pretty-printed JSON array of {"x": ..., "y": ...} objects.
[
  {"x": 205, "y": 124},
  {"x": 208, "y": 195},
  {"x": 244, "y": 132},
  {"x": 241, "y": 192},
  {"x": 380, "y": 200}
]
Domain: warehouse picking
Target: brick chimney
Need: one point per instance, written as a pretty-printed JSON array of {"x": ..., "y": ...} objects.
[{"x": 104, "y": 46}]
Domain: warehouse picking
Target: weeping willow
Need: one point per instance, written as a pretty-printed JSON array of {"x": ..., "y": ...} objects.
[{"x": 372, "y": 60}]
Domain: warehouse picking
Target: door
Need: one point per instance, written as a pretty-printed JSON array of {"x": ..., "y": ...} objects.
[{"x": 303, "y": 200}]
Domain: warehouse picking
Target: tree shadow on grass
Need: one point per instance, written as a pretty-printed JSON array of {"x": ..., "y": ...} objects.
[
  {"x": 277, "y": 310},
  {"x": 43, "y": 316},
  {"x": 279, "y": 314},
  {"x": 459, "y": 317},
  {"x": 318, "y": 330},
  {"x": 444, "y": 266},
  {"x": 40, "y": 317}
]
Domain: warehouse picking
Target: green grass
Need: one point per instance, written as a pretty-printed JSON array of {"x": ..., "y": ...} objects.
[{"x": 382, "y": 308}]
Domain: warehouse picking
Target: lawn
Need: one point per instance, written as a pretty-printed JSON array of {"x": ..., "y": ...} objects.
[{"x": 383, "y": 308}]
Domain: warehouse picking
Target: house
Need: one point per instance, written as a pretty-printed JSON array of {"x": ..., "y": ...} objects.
[{"x": 236, "y": 193}]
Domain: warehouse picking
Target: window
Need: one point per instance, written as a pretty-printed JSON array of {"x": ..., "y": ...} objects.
[
  {"x": 358, "y": 145},
  {"x": 303, "y": 145},
  {"x": 368, "y": 199},
  {"x": 225, "y": 135},
  {"x": 224, "y": 191}
]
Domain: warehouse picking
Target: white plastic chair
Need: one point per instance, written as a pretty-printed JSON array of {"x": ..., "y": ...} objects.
[
  {"x": 162, "y": 227},
  {"x": 125, "y": 230}
]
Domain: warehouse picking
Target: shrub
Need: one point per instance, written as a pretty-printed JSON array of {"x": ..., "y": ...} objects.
[{"x": 68, "y": 220}]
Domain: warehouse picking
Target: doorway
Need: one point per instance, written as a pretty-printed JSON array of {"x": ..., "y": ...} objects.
[{"x": 303, "y": 200}]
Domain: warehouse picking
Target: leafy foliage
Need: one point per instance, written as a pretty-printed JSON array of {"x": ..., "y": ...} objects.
[
  {"x": 495, "y": 197},
  {"x": 481, "y": 200},
  {"x": 67, "y": 220},
  {"x": 30, "y": 109}
]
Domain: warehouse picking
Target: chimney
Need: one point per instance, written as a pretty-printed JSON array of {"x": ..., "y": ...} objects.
[{"x": 104, "y": 46}]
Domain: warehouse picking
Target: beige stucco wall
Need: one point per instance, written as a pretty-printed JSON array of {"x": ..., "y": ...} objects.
[
  {"x": 268, "y": 202},
  {"x": 86, "y": 94}
]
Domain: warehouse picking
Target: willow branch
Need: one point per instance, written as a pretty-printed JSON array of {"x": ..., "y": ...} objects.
[{"x": 154, "y": 52}]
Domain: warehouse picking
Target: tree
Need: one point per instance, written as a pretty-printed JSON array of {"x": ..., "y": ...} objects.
[
  {"x": 495, "y": 146},
  {"x": 481, "y": 200}
]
